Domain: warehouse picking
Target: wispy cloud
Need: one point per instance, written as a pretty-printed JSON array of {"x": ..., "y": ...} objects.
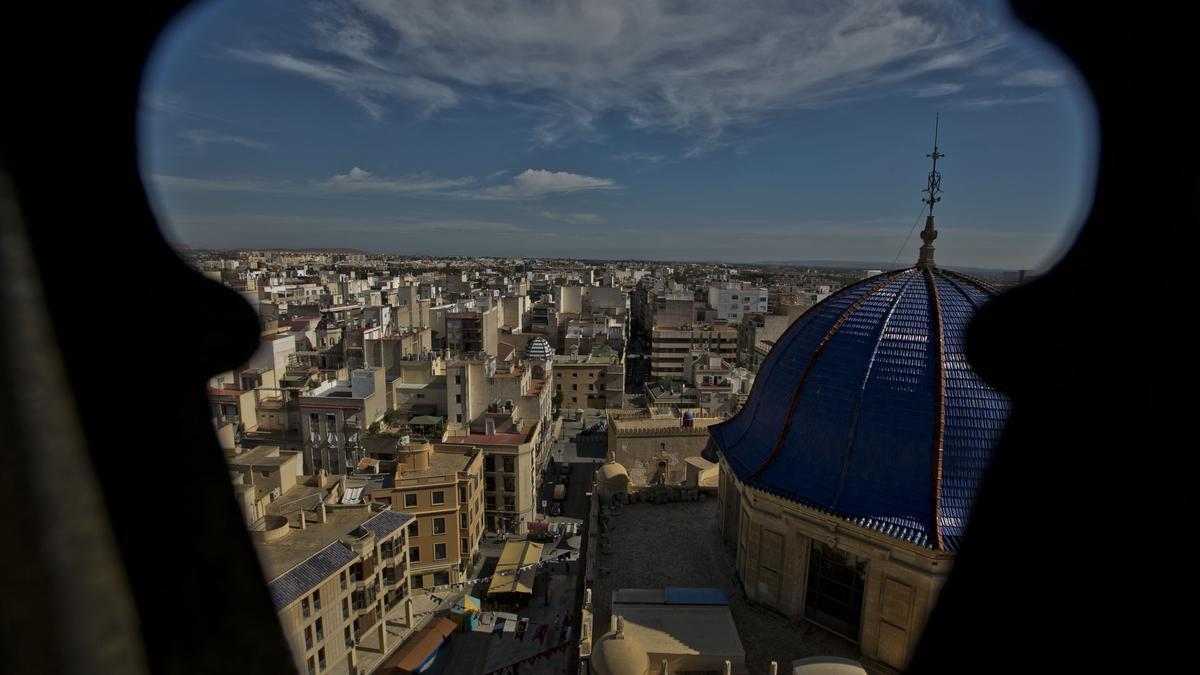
[
  {"x": 699, "y": 69},
  {"x": 222, "y": 185},
  {"x": 359, "y": 180},
  {"x": 573, "y": 218},
  {"x": 532, "y": 183},
  {"x": 1037, "y": 77},
  {"x": 647, "y": 157},
  {"x": 202, "y": 138},
  {"x": 992, "y": 101},
  {"x": 368, "y": 87},
  {"x": 943, "y": 89}
]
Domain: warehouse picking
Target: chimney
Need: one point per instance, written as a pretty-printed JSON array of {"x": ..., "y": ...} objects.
[
  {"x": 489, "y": 426},
  {"x": 303, "y": 521},
  {"x": 321, "y": 515}
]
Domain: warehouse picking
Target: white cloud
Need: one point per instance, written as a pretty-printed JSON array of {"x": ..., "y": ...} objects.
[
  {"x": 944, "y": 89},
  {"x": 368, "y": 87},
  {"x": 648, "y": 157},
  {"x": 220, "y": 185},
  {"x": 201, "y": 138},
  {"x": 697, "y": 68},
  {"x": 573, "y": 218},
  {"x": 359, "y": 180},
  {"x": 539, "y": 182},
  {"x": 529, "y": 184},
  {"x": 992, "y": 101},
  {"x": 1038, "y": 77}
]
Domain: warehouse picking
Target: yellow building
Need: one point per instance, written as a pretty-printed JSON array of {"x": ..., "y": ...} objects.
[
  {"x": 335, "y": 573},
  {"x": 442, "y": 486}
]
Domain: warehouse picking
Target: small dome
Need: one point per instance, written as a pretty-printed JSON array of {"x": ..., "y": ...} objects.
[
  {"x": 619, "y": 655},
  {"x": 613, "y": 473},
  {"x": 612, "y": 479},
  {"x": 538, "y": 348}
]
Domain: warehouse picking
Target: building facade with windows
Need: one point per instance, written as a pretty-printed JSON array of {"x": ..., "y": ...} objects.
[
  {"x": 442, "y": 487},
  {"x": 669, "y": 347},
  {"x": 595, "y": 380},
  {"x": 731, "y": 301},
  {"x": 333, "y": 417},
  {"x": 512, "y": 465},
  {"x": 336, "y": 574}
]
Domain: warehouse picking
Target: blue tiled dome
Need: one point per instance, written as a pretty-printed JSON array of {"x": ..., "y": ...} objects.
[
  {"x": 861, "y": 411},
  {"x": 538, "y": 348}
]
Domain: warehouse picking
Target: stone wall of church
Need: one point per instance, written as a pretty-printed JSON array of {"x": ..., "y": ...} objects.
[
  {"x": 773, "y": 540},
  {"x": 641, "y": 452}
]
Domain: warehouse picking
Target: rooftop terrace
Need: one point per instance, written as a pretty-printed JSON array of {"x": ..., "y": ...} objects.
[{"x": 692, "y": 555}]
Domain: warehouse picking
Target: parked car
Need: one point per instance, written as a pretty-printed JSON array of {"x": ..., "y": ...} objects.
[
  {"x": 556, "y": 509},
  {"x": 564, "y": 469}
]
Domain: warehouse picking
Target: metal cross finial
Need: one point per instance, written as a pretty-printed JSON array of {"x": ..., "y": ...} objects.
[
  {"x": 934, "y": 186},
  {"x": 932, "y": 190}
]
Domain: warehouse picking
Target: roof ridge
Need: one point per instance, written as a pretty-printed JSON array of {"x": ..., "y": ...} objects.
[
  {"x": 939, "y": 415},
  {"x": 862, "y": 390},
  {"x": 779, "y": 348},
  {"x": 837, "y": 325},
  {"x": 974, "y": 281}
]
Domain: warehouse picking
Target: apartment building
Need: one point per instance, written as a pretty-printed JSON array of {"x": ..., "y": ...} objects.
[
  {"x": 519, "y": 386},
  {"x": 757, "y": 327},
  {"x": 473, "y": 332},
  {"x": 512, "y": 462},
  {"x": 388, "y": 350},
  {"x": 442, "y": 487},
  {"x": 333, "y": 415},
  {"x": 261, "y": 475},
  {"x": 337, "y": 573},
  {"x": 595, "y": 380},
  {"x": 669, "y": 347},
  {"x": 732, "y": 301}
]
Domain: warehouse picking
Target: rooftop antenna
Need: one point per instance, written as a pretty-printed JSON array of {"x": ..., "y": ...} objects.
[{"x": 932, "y": 189}]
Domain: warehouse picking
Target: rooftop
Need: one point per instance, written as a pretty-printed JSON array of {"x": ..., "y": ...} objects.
[
  {"x": 622, "y": 424},
  {"x": 491, "y": 439},
  {"x": 278, "y": 557},
  {"x": 263, "y": 455},
  {"x": 697, "y": 558}
]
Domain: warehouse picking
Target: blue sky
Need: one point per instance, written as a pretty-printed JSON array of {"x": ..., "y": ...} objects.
[{"x": 736, "y": 131}]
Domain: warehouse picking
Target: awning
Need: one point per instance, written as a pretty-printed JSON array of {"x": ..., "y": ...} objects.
[
  {"x": 516, "y": 554},
  {"x": 417, "y": 650},
  {"x": 469, "y": 603},
  {"x": 426, "y": 420}
]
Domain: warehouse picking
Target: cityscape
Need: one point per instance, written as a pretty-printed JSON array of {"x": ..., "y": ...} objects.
[{"x": 567, "y": 364}]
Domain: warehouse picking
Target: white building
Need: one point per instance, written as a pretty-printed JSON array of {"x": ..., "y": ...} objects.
[{"x": 731, "y": 302}]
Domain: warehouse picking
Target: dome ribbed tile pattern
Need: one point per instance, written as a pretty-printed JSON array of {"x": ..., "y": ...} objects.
[
  {"x": 538, "y": 348},
  {"x": 848, "y": 409}
]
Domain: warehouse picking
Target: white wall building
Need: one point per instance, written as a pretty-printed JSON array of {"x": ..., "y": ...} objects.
[{"x": 731, "y": 302}]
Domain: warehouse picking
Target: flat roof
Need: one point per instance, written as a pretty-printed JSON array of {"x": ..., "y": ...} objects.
[
  {"x": 280, "y": 556},
  {"x": 697, "y": 629},
  {"x": 263, "y": 455},
  {"x": 490, "y": 439},
  {"x": 661, "y": 422},
  {"x": 697, "y": 558}
]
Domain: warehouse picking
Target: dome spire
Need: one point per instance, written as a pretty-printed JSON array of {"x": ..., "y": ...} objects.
[{"x": 933, "y": 188}]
